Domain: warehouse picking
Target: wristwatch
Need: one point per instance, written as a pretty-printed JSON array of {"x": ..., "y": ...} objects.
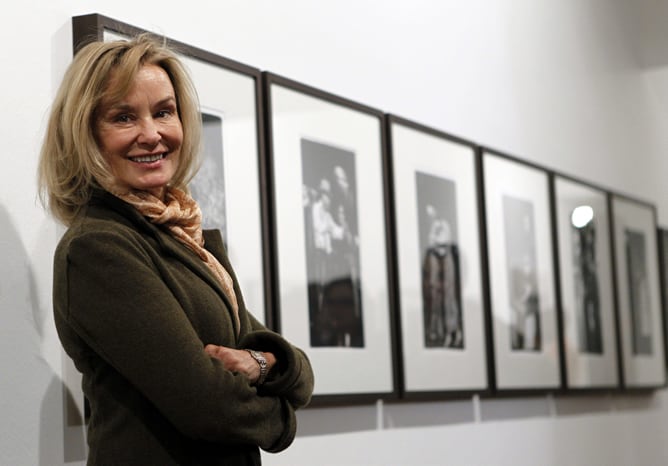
[{"x": 262, "y": 362}]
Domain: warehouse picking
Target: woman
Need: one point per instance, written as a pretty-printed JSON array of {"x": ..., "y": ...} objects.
[{"x": 175, "y": 369}]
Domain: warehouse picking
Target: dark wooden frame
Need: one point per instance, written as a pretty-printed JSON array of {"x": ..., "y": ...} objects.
[
  {"x": 537, "y": 386},
  {"x": 91, "y": 28},
  {"x": 559, "y": 267},
  {"x": 662, "y": 234},
  {"x": 444, "y": 391},
  {"x": 615, "y": 202},
  {"x": 344, "y": 397}
]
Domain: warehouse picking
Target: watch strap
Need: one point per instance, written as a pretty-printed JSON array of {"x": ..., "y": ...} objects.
[{"x": 262, "y": 362}]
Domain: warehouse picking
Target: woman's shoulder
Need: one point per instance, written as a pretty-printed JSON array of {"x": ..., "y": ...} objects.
[
  {"x": 100, "y": 219},
  {"x": 101, "y": 223}
]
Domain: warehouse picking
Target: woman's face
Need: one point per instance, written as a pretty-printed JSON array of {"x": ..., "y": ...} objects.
[{"x": 140, "y": 135}]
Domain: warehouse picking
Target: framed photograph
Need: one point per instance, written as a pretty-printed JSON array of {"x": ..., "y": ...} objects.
[
  {"x": 441, "y": 302},
  {"x": 587, "y": 300},
  {"x": 663, "y": 270},
  {"x": 638, "y": 293},
  {"x": 332, "y": 277},
  {"x": 228, "y": 186},
  {"x": 521, "y": 274}
]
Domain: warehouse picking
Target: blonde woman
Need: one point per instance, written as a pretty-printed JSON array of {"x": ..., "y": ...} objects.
[{"x": 176, "y": 370}]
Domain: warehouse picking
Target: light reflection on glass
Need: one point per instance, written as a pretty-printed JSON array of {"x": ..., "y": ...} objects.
[{"x": 581, "y": 216}]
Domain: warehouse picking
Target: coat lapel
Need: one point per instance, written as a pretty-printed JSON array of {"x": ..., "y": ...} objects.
[
  {"x": 171, "y": 246},
  {"x": 174, "y": 247}
]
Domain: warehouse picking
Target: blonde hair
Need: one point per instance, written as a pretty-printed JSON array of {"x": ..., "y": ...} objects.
[{"x": 71, "y": 163}]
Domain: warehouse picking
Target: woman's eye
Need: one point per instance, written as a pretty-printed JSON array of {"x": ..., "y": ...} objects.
[
  {"x": 163, "y": 113},
  {"x": 122, "y": 118}
]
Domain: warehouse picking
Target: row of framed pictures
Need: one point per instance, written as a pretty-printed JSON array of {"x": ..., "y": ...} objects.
[{"x": 424, "y": 264}]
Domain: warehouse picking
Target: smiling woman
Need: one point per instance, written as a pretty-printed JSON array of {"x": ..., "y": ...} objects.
[{"x": 146, "y": 303}]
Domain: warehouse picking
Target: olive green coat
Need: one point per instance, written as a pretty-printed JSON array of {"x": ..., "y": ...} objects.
[{"x": 134, "y": 309}]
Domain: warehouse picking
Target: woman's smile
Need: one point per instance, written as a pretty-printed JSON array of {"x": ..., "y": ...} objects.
[{"x": 148, "y": 159}]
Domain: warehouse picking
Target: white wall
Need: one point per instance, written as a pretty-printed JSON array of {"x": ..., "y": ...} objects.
[{"x": 575, "y": 85}]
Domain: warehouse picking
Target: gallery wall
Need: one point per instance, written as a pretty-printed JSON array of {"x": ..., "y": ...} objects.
[{"x": 567, "y": 85}]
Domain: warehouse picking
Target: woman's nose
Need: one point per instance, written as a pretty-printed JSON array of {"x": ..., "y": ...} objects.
[{"x": 148, "y": 132}]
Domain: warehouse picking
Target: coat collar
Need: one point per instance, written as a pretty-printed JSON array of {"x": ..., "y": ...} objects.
[{"x": 168, "y": 244}]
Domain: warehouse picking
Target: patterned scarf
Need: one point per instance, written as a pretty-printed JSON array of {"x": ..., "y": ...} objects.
[{"x": 181, "y": 215}]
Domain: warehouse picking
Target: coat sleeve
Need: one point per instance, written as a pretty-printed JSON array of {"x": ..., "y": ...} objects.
[
  {"x": 292, "y": 377},
  {"x": 110, "y": 293}
]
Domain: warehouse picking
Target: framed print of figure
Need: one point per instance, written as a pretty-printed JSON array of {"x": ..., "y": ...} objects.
[
  {"x": 331, "y": 269},
  {"x": 586, "y": 278},
  {"x": 521, "y": 274},
  {"x": 439, "y": 268},
  {"x": 638, "y": 293}
]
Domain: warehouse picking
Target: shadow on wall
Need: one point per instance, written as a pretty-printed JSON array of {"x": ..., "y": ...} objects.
[{"x": 33, "y": 429}]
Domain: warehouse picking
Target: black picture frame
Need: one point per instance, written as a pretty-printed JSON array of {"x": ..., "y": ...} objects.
[
  {"x": 441, "y": 303},
  {"x": 524, "y": 321},
  {"x": 662, "y": 233},
  {"x": 638, "y": 292},
  {"x": 230, "y": 96},
  {"x": 332, "y": 275},
  {"x": 586, "y": 297}
]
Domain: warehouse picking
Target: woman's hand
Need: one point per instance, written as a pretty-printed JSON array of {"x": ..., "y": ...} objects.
[{"x": 240, "y": 361}]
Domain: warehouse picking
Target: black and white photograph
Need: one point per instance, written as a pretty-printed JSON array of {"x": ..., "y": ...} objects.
[
  {"x": 584, "y": 260},
  {"x": 332, "y": 275},
  {"x": 208, "y": 186},
  {"x": 521, "y": 268},
  {"x": 437, "y": 224},
  {"x": 524, "y": 300},
  {"x": 332, "y": 245},
  {"x": 636, "y": 255},
  {"x": 587, "y": 304},
  {"x": 441, "y": 293},
  {"x": 638, "y": 297}
]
